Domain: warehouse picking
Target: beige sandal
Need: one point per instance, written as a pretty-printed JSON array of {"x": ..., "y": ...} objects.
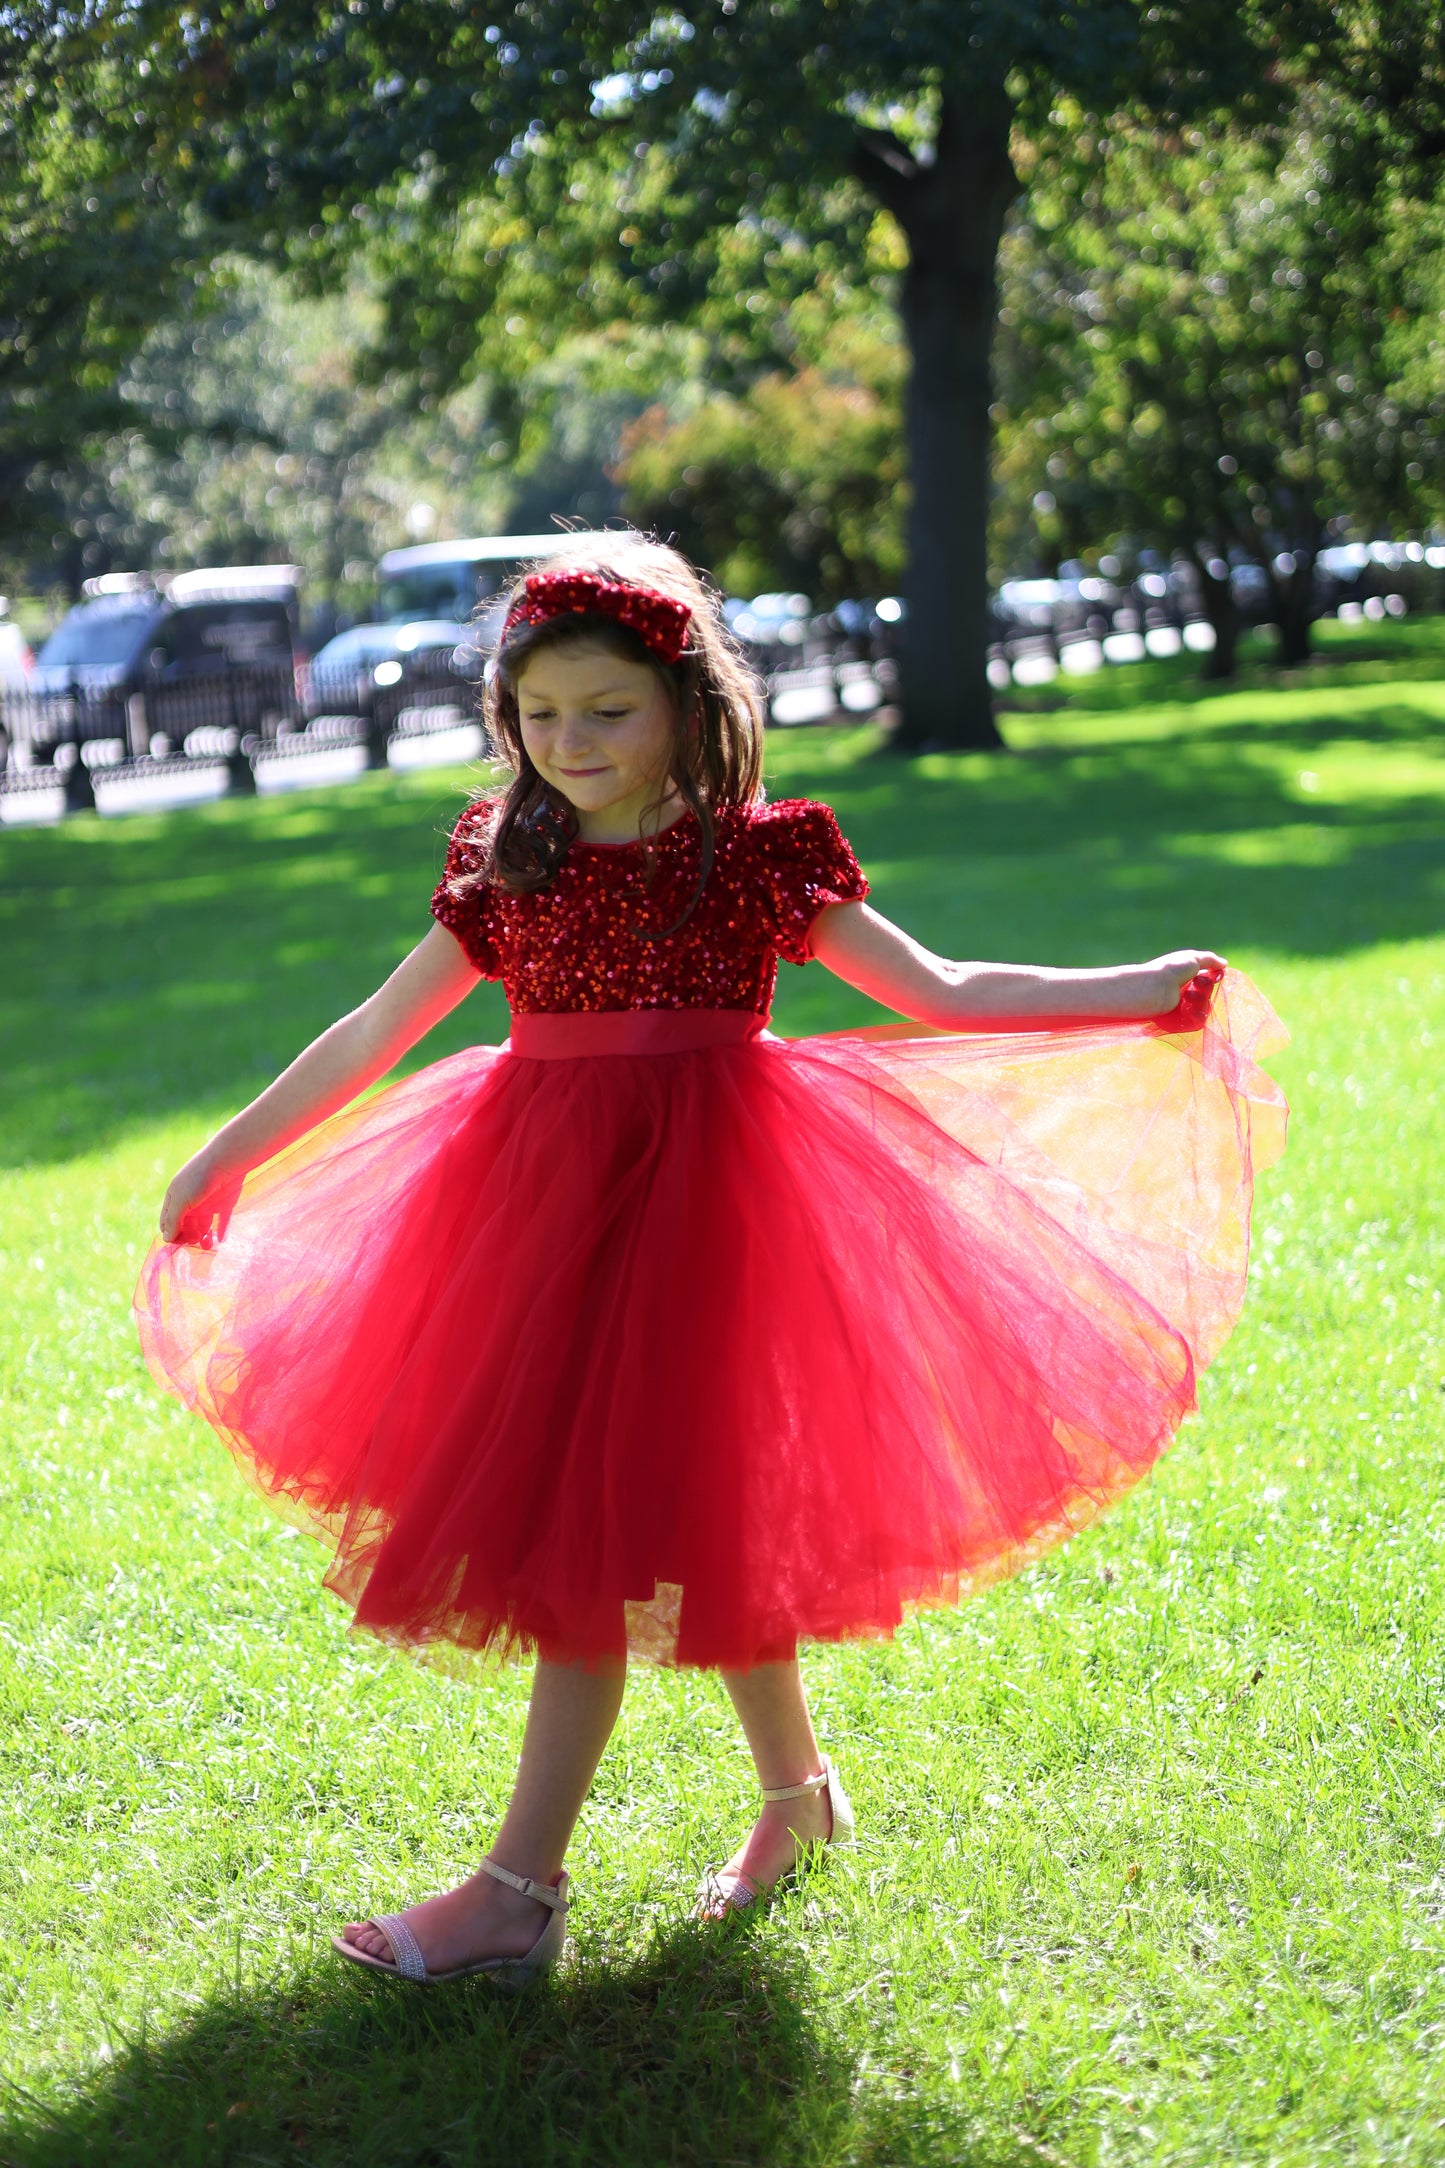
[
  {"x": 725, "y": 1890},
  {"x": 508, "y": 1972}
]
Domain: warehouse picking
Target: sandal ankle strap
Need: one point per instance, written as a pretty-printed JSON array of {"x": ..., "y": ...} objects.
[
  {"x": 799, "y": 1791},
  {"x": 542, "y": 1891}
]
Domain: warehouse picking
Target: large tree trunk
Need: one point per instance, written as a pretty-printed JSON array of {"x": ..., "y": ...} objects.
[
  {"x": 952, "y": 212},
  {"x": 1293, "y": 597},
  {"x": 1222, "y": 611}
]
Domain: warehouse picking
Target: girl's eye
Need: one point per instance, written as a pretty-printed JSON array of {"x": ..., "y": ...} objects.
[{"x": 611, "y": 715}]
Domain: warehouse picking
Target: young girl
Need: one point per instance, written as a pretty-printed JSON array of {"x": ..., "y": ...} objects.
[{"x": 650, "y": 1333}]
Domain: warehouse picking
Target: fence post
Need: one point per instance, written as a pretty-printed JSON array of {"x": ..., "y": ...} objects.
[
  {"x": 240, "y": 774},
  {"x": 79, "y": 789},
  {"x": 372, "y": 722},
  {"x": 137, "y": 729}
]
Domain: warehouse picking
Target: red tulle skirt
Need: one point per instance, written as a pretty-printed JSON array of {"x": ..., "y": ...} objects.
[{"x": 650, "y": 1332}]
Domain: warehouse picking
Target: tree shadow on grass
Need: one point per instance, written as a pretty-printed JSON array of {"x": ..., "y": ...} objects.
[
  {"x": 1384, "y": 722},
  {"x": 1093, "y": 854},
  {"x": 179, "y": 961},
  {"x": 708, "y": 2049}
]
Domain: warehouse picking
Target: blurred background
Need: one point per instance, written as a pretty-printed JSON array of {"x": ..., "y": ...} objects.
[{"x": 967, "y": 353}]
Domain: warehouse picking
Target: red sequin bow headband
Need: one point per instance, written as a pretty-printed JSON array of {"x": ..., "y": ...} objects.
[{"x": 655, "y": 618}]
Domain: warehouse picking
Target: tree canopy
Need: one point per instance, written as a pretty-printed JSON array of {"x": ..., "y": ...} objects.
[
  {"x": 555, "y": 166},
  {"x": 1219, "y": 344},
  {"x": 95, "y": 249},
  {"x": 540, "y": 170}
]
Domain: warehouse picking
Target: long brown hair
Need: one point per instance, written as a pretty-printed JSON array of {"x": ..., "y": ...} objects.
[{"x": 717, "y": 705}]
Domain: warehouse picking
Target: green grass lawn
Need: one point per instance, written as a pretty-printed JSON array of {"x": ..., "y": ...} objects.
[{"x": 1151, "y": 1858}]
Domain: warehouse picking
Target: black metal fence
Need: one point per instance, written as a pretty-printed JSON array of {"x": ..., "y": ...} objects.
[
  {"x": 217, "y": 731},
  {"x": 201, "y": 735}
]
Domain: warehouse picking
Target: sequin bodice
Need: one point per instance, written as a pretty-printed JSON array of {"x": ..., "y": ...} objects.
[{"x": 580, "y": 943}]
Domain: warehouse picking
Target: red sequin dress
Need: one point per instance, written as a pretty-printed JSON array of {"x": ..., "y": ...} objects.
[{"x": 648, "y": 1330}]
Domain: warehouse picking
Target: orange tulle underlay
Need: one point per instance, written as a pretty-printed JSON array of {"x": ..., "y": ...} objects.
[{"x": 710, "y": 1347}]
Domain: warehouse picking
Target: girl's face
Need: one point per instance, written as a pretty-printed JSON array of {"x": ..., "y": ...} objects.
[{"x": 600, "y": 730}]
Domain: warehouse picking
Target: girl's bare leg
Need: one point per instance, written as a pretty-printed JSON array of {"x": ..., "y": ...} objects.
[
  {"x": 569, "y": 1722},
  {"x": 773, "y": 1710}
]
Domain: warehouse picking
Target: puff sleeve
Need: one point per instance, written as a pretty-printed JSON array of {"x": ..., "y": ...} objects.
[
  {"x": 465, "y": 906},
  {"x": 803, "y": 863}
]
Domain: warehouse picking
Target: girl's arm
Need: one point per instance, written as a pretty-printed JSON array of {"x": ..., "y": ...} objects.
[
  {"x": 333, "y": 1069},
  {"x": 880, "y": 959}
]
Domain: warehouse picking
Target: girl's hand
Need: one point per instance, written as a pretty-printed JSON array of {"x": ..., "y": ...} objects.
[
  {"x": 199, "y": 1203},
  {"x": 1160, "y": 986}
]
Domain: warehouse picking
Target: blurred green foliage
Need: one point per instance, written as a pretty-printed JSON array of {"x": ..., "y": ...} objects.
[
  {"x": 490, "y": 260},
  {"x": 1212, "y": 343},
  {"x": 256, "y": 425},
  {"x": 256, "y": 430},
  {"x": 95, "y": 248},
  {"x": 795, "y": 483},
  {"x": 1216, "y": 343},
  {"x": 558, "y": 170}
]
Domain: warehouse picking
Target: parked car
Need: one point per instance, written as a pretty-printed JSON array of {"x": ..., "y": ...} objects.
[
  {"x": 138, "y": 658},
  {"x": 1377, "y": 579},
  {"x": 868, "y": 630},
  {"x": 104, "y": 640},
  {"x": 346, "y": 674},
  {"x": 769, "y": 621}
]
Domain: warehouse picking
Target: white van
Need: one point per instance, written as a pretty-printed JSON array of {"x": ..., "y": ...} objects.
[
  {"x": 435, "y": 580},
  {"x": 16, "y": 660},
  {"x": 433, "y": 602}
]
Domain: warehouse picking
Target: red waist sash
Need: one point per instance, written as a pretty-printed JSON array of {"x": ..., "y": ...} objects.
[{"x": 566, "y": 1035}]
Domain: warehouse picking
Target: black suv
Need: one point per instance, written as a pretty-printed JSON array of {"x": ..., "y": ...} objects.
[{"x": 133, "y": 661}]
